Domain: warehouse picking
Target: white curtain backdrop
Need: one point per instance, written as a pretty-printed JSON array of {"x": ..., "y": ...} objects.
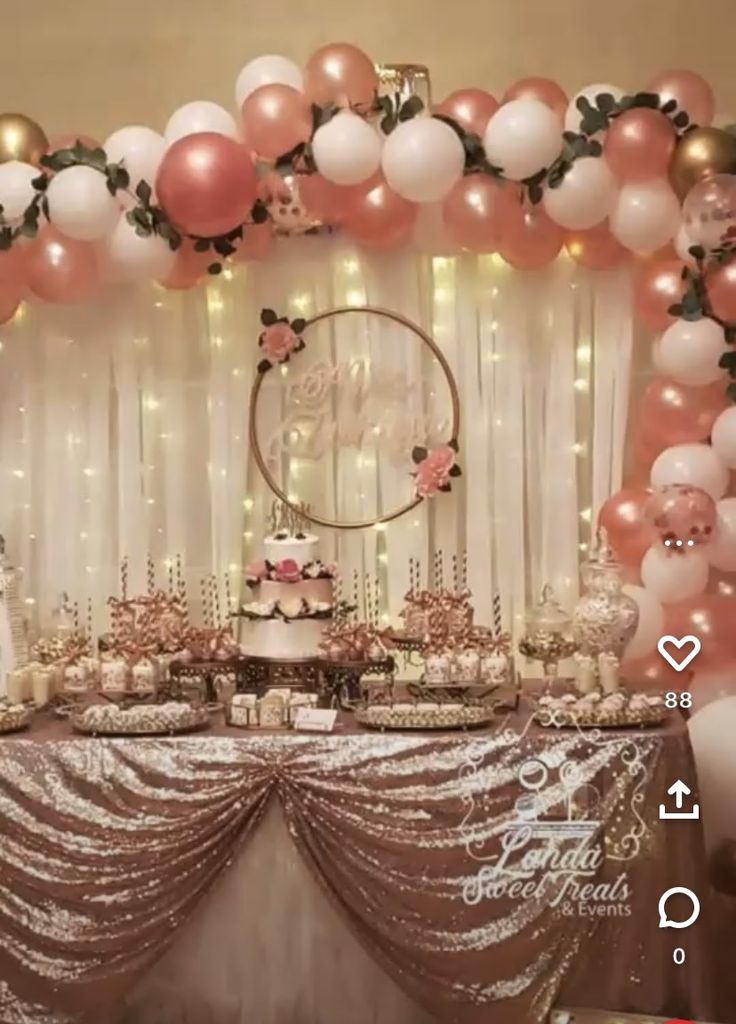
[{"x": 123, "y": 425}]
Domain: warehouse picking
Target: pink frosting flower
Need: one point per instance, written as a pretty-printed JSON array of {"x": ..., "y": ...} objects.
[
  {"x": 256, "y": 571},
  {"x": 433, "y": 472},
  {"x": 278, "y": 342},
  {"x": 287, "y": 571}
]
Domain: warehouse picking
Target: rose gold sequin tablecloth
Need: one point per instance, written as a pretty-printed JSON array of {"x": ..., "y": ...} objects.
[{"x": 139, "y": 878}]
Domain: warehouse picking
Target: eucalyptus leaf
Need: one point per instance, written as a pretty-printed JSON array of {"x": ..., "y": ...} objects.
[
  {"x": 214, "y": 269},
  {"x": 202, "y": 244},
  {"x": 605, "y": 102},
  {"x": 681, "y": 120},
  {"x": 731, "y": 392},
  {"x": 41, "y": 183},
  {"x": 536, "y": 194},
  {"x": 144, "y": 192},
  {"x": 669, "y": 107},
  {"x": 648, "y": 100},
  {"x": 259, "y": 212},
  {"x": 727, "y": 360}
]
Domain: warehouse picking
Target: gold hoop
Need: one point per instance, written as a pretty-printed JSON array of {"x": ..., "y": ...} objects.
[{"x": 255, "y": 390}]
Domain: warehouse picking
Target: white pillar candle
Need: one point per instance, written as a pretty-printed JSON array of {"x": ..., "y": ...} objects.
[
  {"x": 608, "y": 666},
  {"x": 41, "y": 686},
  {"x": 17, "y": 687},
  {"x": 585, "y": 674}
]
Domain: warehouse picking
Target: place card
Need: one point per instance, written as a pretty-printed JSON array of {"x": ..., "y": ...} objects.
[{"x": 315, "y": 719}]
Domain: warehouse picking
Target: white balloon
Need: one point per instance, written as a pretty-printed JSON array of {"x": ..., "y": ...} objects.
[
  {"x": 573, "y": 116},
  {"x": 270, "y": 69},
  {"x": 673, "y": 577},
  {"x": 723, "y": 436},
  {"x": 722, "y": 549},
  {"x": 522, "y": 137},
  {"x": 711, "y": 734},
  {"x": 199, "y": 116},
  {"x": 132, "y": 257},
  {"x": 586, "y": 195},
  {"x": 139, "y": 149},
  {"x": 695, "y": 464},
  {"x": 422, "y": 159},
  {"x": 650, "y": 626},
  {"x": 683, "y": 242},
  {"x": 646, "y": 215},
  {"x": 80, "y": 205},
  {"x": 347, "y": 150},
  {"x": 16, "y": 190},
  {"x": 689, "y": 351}
]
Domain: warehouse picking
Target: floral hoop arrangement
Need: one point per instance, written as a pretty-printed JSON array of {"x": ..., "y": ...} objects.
[{"x": 435, "y": 466}]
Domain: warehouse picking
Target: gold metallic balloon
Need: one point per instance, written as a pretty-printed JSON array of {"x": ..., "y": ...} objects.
[
  {"x": 702, "y": 153},
  {"x": 21, "y": 139}
]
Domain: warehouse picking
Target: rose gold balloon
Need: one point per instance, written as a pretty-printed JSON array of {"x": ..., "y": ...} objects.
[
  {"x": 542, "y": 89},
  {"x": 60, "y": 269},
  {"x": 206, "y": 184},
  {"x": 13, "y": 264},
  {"x": 652, "y": 673},
  {"x": 721, "y": 285},
  {"x": 472, "y": 109},
  {"x": 324, "y": 200},
  {"x": 623, "y": 516},
  {"x": 699, "y": 155},
  {"x": 340, "y": 73},
  {"x": 256, "y": 242},
  {"x": 529, "y": 239},
  {"x": 639, "y": 144},
  {"x": 275, "y": 119},
  {"x": 710, "y": 618},
  {"x": 690, "y": 90},
  {"x": 596, "y": 248},
  {"x": 473, "y": 210},
  {"x": 657, "y": 286},
  {"x": 670, "y": 413},
  {"x": 21, "y": 139},
  {"x": 10, "y": 299},
  {"x": 378, "y": 214}
]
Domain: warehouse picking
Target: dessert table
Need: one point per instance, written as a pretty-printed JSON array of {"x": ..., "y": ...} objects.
[{"x": 234, "y": 876}]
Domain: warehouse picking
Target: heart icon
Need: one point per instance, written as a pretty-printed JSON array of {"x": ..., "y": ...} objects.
[{"x": 686, "y": 641}]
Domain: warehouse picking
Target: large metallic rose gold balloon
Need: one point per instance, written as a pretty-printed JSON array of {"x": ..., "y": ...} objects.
[
  {"x": 340, "y": 73},
  {"x": 206, "y": 183},
  {"x": 472, "y": 109},
  {"x": 378, "y": 216},
  {"x": 542, "y": 89},
  {"x": 596, "y": 248},
  {"x": 21, "y": 139},
  {"x": 624, "y": 518},
  {"x": 472, "y": 211},
  {"x": 657, "y": 286},
  {"x": 639, "y": 144},
  {"x": 690, "y": 91},
  {"x": 60, "y": 269},
  {"x": 275, "y": 119},
  {"x": 721, "y": 285},
  {"x": 701, "y": 154},
  {"x": 529, "y": 239},
  {"x": 671, "y": 414}
]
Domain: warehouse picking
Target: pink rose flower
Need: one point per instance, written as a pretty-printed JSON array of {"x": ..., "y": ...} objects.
[
  {"x": 255, "y": 572},
  {"x": 278, "y": 342},
  {"x": 287, "y": 571},
  {"x": 433, "y": 472}
]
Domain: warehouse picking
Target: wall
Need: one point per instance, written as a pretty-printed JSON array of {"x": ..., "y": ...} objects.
[{"x": 93, "y": 65}]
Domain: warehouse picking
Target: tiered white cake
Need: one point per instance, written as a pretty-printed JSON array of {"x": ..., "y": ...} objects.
[{"x": 292, "y": 598}]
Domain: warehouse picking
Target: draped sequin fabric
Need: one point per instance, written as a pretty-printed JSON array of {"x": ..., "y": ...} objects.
[{"x": 106, "y": 847}]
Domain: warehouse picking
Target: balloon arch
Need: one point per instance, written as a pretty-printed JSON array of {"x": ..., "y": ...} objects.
[{"x": 612, "y": 178}]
